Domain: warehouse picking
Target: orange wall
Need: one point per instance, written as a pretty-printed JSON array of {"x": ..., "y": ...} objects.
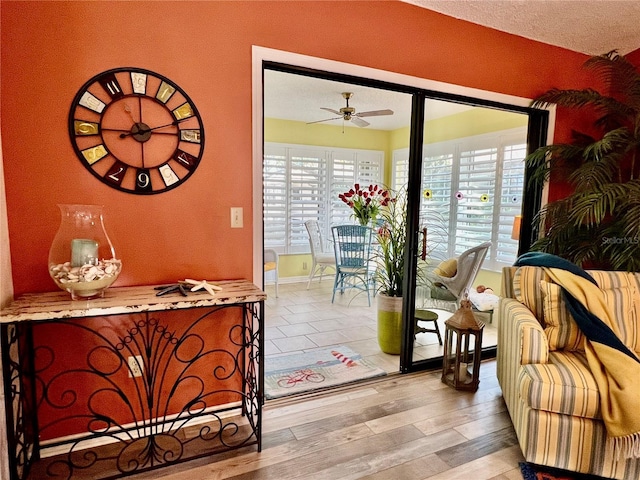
[
  {"x": 634, "y": 57},
  {"x": 49, "y": 49}
]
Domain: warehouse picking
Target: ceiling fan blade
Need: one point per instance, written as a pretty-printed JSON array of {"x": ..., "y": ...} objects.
[
  {"x": 374, "y": 113},
  {"x": 359, "y": 122},
  {"x": 325, "y": 120},
  {"x": 331, "y": 110}
]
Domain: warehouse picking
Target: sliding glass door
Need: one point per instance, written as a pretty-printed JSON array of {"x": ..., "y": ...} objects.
[
  {"x": 469, "y": 189},
  {"x": 459, "y": 160}
]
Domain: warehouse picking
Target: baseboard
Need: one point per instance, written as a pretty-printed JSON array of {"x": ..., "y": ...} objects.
[
  {"x": 63, "y": 445},
  {"x": 298, "y": 279}
]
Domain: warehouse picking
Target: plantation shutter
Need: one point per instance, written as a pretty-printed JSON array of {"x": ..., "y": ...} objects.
[
  {"x": 510, "y": 199},
  {"x": 303, "y": 183},
  {"x": 307, "y": 191},
  {"x": 474, "y": 185},
  {"x": 476, "y": 199},
  {"x": 343, "y": 176},
  {"x": 400, "y": 174},
  {"x": 275, "y": 196},
  {"x": 435, "y": 203},
  {"x": 348, "y": 168}
]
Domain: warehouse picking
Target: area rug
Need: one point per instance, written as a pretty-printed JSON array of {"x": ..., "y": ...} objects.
[
  {"x": 537, "y": 472},
  {"x": 302, "y": 372}
]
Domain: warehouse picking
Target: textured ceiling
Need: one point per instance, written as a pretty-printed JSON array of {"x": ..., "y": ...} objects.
[
  {"x": 592, "y": 27},
  {"x": 587, "y": 26}
]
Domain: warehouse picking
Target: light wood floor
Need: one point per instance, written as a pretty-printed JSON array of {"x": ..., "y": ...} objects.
[{"x": 400, "y": 427}]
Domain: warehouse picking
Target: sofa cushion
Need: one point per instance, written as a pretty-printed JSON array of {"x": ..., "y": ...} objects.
[
  {"x": 565, "y": 385},
  {"x": 627, "y": 323},
  {"x": 447, "y": 268},
  {"x": 562, "y": 330},
  {"x": 610, "y": 279},
  {"x": 526, "y": 289}
]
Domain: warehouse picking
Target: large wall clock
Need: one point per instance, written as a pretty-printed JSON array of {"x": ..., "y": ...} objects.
[{"x": 136, "y": 131}]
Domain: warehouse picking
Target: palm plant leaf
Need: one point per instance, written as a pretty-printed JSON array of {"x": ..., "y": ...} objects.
[
  {"x": 561, "y": 155},
  {"x": 599, "y": 223},
  {"x": 592, "y": 207},
  {"x": 619, "y": 75},
  {"x": 611, "y": 110},
  {"x": 568, "y": 98},
  {"x": 630, "y": 212},
  {"x": 612, "y": 142},
  {"x": 593, "y": 174}
]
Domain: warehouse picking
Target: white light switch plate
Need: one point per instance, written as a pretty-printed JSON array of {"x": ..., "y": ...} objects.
[{"x": 236, "y": 217}]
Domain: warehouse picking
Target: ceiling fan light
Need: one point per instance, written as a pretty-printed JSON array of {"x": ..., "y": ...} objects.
[{"x": 348, "y": 113}]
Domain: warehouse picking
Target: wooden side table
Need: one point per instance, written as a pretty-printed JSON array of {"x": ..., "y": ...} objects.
[{"x": 151, "y": 381}]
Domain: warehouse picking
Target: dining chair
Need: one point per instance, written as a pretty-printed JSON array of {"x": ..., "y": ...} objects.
[
  {"x": 352, "y": 247},
  {"x": 320, "y": 257}
]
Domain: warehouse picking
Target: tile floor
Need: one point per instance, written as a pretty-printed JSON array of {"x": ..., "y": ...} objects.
[{"x": 301, "y": 320}]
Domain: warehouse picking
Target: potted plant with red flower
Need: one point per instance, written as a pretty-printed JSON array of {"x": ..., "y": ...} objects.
[{"x": 366, "y": 202}]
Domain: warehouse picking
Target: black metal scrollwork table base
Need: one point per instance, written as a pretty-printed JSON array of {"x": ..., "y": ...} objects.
[{"x": 130, "y": 382}]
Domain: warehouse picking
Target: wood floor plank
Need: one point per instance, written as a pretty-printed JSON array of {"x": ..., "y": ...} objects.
[
  {"x": 482, "y": 468},
  {"x": 439, "y": 404},
  {"x": 514, "y": 474},
  {"x": 482, "y": 426},
  {"x": 479, "y": 447},
  {"x": 310, "y": 465},
  {"x": 461, "y": 417},
  {"x": 288, "y": 407},
  {"x": 397, "y": 455},
  {"x": 404, "y": 427},
  {"x": 427, "y": 464}
]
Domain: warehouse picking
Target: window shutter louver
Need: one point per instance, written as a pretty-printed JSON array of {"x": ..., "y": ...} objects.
[
  {"x": 303, "y": 183},
  {"x": 475, "y": 184}
]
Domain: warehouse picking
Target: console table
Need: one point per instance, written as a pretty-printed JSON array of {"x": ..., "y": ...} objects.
[{"x": 130, "y": 382}]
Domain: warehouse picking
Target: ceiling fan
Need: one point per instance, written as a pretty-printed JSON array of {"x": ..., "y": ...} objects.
[{"x": 349, "y": 113}]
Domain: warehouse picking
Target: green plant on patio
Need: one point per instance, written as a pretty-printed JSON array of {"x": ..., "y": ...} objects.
[{"x": 390, "y": 259}]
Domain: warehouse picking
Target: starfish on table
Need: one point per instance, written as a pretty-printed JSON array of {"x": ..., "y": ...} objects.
[{"x": 202, "y": 284}]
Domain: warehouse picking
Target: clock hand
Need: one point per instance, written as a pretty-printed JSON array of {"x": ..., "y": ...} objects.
[
  {"x": 127, "y": 109},
  {"x": 114, "y": 130},
  {"x": 142, "y": 128}
]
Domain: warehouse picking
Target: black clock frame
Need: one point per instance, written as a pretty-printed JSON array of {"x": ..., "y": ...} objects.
[{"x": 139, "y": 131}]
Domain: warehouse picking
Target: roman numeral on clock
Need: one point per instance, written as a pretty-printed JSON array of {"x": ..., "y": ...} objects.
[
  {"x": 185, "y": 159},
  {"x": 111, "y": 86},
  {"x": 116, "y": 173}
]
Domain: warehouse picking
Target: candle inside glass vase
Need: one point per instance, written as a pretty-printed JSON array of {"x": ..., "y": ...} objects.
[
  {"x": 83, "y": 252},
  {"x": 82, "y": 259}
]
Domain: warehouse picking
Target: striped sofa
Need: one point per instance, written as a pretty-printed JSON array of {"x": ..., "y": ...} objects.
[{"x": 548, "y": 388}]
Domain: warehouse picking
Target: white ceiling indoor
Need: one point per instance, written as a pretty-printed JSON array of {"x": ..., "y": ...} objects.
[{"x": 587, "y": 26}]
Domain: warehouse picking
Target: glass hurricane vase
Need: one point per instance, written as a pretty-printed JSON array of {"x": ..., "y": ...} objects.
[{"x": 82, "y": 259}]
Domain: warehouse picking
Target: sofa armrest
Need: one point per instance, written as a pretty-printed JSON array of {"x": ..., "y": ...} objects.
[{"x": 521, "y": 341}]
